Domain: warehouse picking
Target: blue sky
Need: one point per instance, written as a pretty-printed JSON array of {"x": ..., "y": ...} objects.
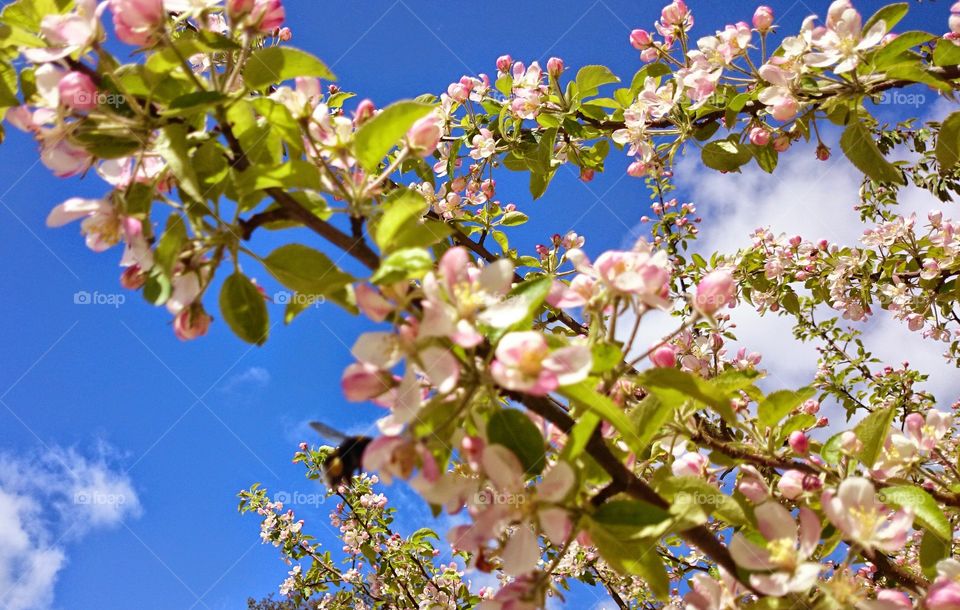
[{"x": 104, "y": 397}]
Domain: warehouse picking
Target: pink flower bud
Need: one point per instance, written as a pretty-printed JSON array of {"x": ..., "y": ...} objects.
[
  {"x": 267, "y": 15},
  {"x": 365, "y": 111},
  {"x": 714, "y": 291},
  {"x": 763, "y": 19},
  {"x": 285, "y": 34},
  {"x": 823, "y": 152},
  {"x": 372, "y": 303},
  {"x": 664, "y": 356},
  {"x": 133, "y": 277},
  {"x": 781, "y": 143},
  {"x": 362, "y": 381},
  {"x": 799, "y": 442},
  {"x": 690, "y": 465},
  {"x": 759, "y": 136},
  {"x": 191, "y": 322},
  {"x": 637, "y": 169},
  {"x": 641, "y": 39},
  {"x": 425, "y": 135},
  {"x": 586, "y": 174},
  {"x": 237, "y": 9},
  {"x": 137, "y": 21},
  {"x": 504, "y": 62},
  {"x": 77, "y": 91},
  {"x": 555, "y": 67},
  {"x": 943, "y": 595},
  {"x": 849, "y": 442}
]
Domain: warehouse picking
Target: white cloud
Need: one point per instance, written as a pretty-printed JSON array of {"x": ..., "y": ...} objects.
[
  {"x": 255, "y": 377},
  {"x": 48, "y": 501},
  {"x": 813, "y": 199}
]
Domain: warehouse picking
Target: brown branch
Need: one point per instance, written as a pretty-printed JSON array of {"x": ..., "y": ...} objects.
[{"x": 249, "y": 225}]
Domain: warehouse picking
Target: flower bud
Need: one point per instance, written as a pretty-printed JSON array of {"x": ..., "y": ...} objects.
[
  {"x": 664, "y": 356},
  {"x": 641, "y": 39},
  {"x": 77, "y": 91},
  {"x": 424, "y": 135},
  {"x": 714, "y": 291},
  {"x": 759, "y": 136},
  {"x": 799, "y": 442},
  {"x": 781, "y": 143},
  {"x": 133, "y": 278},
  {"x": 555, "y": 67},
  {"x": 943, "y": 595},
  {"x": 763, "y": 19},
  {"x": 365, "y": 111},
  {"x": 267, "y": 15},
  {"x": 504, "y": 62},
  {"x": 191, "y": 322},
  {"x": 823, "y": 152}
]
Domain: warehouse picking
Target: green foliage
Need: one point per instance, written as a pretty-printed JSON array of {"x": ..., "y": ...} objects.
[
  {"x": 376, "y": 137},
  {"x": 514, "y": 430},
  {"x": 276, "y": 64},
  {"x": 244, "y": 309}
]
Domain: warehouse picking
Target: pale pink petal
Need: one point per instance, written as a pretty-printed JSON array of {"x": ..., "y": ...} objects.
[{"x": 521, "y": 553}]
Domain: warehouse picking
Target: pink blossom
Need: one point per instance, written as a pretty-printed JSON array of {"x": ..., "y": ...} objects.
[
  {"x": 759, "y": 136},
  {"x": 641, "y": 39},
  {"x": 763, "y": 18},
  {"x": 690, "y": 465},
  {"x": 363, "y": 381},
  {"x": 944, "y": 593},
  {"x": 799, "y": 442},
  {"x": 424, "y": 135},
  {"x": 715, "y": 290},
  {"x": 191, "y": 323},
  {"x": 77, "y": 91},
  {"x": 68, "y": 32},
  {"x": 267, "y": 15},
  {"x": 504, "y": 63},
  {"x": 706, "y": 593},
  {"x": 372, "y": 303},
  {"x": 853, "y": 507},
  {"x": 783, "y": 557},
  {"x": 525, "y": 363},
  {"x": 752, "y": 484},
  {"x": 101, "y": 224},
  {"x": 664, "y": 356},
  {"x": 676, "y": 15},
  {"x": 793, "y": 483},
  {"x": 555, "y": 67},
  {"x": 137, "y": 21},
  {"x": 63, "y": 157}
]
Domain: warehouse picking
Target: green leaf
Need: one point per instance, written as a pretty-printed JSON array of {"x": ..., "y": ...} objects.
[
  {"x": 891, "y": 15},
  {"x": 676, "y": 386},
  {"x": 292, "y": 174},
  {"x": 277, "y": 64},
  {"x": 406, "y": 263},
  {"x": 857, "y": 143},
  {"x": 605, "y": 357},
  {"x": 8, "y": 84},
  {"x": 703, "y": 495},
  {"x": 521, "y": 304},
  {"x": 777, "y": 405},
  {"x": 514, "y": 430},
  {"x": 513, "y": 219},
  {"x": 933, "y": 548},
  {"x": 171, "y": 242},
  {"x": 632, "y": 519},
  {"x": 584, "y": 393},
  {"x": 172, "y": 145},
  {"x": 305, "y": 270},
  {"x": 831, "y": 450},
  {"x": 946, "y": 53},
  {"x": 872, "y": 433},
  {"x": 591, "y": 78},
  {"x": 579, "y": 436},
  {"x": 925, "y": 508},
  {"x": 725, "y": 155},
  {"x": 244, "y": 309},
  {"x": 631, "y": 555},
  {"x": 948, "y": 143},
  {"x": 401, "y": 211},
  {"x": 376, "y": 137},
  {"x": 649, "y": 418}
]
